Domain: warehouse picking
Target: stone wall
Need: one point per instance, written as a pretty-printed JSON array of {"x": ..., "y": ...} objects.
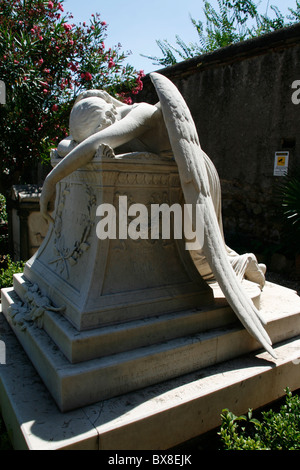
[{"x": 241, "y": 100}]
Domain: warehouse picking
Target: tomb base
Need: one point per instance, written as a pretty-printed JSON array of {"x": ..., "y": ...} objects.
[
  {"x": 160, "y": 416},
  {"x": 100, "y": 317}
]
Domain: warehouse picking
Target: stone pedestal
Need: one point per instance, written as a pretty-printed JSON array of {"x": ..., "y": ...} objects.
[
  {"x": 87, "y": 310},
  {"x": 162, "y": 415},
  {"x": 103, "y": 282},
  {"x": 115, "y": 323},
  {"x": 102, "y": 317}
]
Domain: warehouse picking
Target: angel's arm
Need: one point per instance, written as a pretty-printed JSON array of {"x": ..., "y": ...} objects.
[{"x": 140, "y": 119}]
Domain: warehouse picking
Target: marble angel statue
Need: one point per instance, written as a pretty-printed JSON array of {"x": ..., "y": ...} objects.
[{"x": 166, "y": 127}]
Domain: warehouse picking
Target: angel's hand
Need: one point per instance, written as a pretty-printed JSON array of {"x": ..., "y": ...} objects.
[{"x": 47, "y": 196}]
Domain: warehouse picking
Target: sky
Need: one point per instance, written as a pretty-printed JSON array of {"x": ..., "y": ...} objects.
[{"x": 137, "y": 24}]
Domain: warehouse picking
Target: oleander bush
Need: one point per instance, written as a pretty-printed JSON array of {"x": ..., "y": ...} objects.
[{"x": 46, "y": 60}]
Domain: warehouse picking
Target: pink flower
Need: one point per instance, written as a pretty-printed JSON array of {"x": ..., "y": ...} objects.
[
  {"x": 50, "y": 5},
  {"x": 139, "y": 84},
  {"x": 60, "y": 7},
  {"x": 111, "y": 63},
  {"x": 41, "y": 38},
  {"x": 67, "y": 27},
  {"x": 45, "y": 91},
  {"x": 41, "y": 61},
  {"x": 103, "y": 23},
  {"x": 73, "y": 67},
  {"x": 88, "y": 76}
]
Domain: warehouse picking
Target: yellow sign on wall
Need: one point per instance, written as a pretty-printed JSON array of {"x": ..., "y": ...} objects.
[{"x": 281, "y": 163}]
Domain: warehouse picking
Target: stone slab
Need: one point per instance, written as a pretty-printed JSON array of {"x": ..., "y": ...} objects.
[
  {"x": 75, "y": 385},
  {"x": 155, "y": 418},
  {"x": 80, "y": 346}
]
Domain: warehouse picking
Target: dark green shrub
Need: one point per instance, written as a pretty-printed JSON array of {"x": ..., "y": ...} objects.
[
  {"x": 274, "y": 431},
  {"x": 6, "y": 274},
  {"x": 5, "y": 443}
]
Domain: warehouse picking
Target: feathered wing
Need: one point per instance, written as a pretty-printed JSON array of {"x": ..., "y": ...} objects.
[{"x": 195, "y": 185}]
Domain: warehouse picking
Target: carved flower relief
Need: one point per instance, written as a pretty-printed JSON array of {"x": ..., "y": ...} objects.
[
  {"x": 33, "y": 309},
  {"x": 67, "y": 256}
]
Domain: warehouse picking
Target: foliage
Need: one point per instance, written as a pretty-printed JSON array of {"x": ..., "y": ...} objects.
[
  {"x": 226, "y": 26},
  {"x": 6, "y": 274},
  {"x": 274, "y": 431},
  {"x": 45, "y": 61},
  {"x": 294, "y": 15},
  {"x": 288, "y": 193},
  {"x": 3, "y": 213},
  {"x": 3, "y": 226},
  {"x": 235, "y": 21},
  {"x": 267, "y": 25},
  {"x": 5, "y": 443},
  {"x": 170, "y": 52}
]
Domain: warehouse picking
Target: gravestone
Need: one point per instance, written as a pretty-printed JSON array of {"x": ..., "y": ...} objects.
[{"x": 99, "y": 316}]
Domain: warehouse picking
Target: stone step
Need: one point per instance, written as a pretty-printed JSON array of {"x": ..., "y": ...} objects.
[
  {"x": 83, "y": 345},
  {"x": 110, "y": 309},
  {"x": 80, "y": 346},
  {"x": 73, "y": 385},
  {"x": 160, "y": 416}
]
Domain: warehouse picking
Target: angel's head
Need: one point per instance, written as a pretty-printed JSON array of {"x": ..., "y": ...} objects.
[{"x": 92, "y": 112}]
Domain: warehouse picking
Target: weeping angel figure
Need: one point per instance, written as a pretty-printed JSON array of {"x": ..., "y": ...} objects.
[{"x": 97, "y": 118}]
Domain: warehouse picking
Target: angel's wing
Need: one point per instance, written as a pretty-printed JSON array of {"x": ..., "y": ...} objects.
[{"x": 195, "y": 185}]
